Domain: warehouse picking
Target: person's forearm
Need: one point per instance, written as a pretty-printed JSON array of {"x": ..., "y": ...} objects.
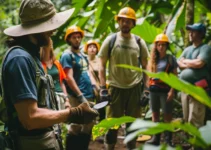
[
  {"x": 145, "y": 77},
  {"x": 43, "y": 118},
  {"x": 102, "y": 75},
  {"x": 194, "y": 63},
  {"x": 63, "y": 88},
  {"x": 33, "y": 117},
  {"x": 72, "y": 84},
  {"x": 182, "y": 65}
]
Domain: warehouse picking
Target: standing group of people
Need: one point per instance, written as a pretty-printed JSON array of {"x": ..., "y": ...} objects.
[{"x": 37, "y": 103}]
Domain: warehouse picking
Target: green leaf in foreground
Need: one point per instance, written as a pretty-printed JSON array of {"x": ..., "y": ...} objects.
[
  {"x": 173, "y": 81},
  {"x": 106, "y": 124}
]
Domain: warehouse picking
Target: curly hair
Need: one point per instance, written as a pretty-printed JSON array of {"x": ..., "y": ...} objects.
[{"x": 154, "y": 57}]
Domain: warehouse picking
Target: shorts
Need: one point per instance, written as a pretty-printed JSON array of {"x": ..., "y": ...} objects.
[{"x": 124, "y": 102}]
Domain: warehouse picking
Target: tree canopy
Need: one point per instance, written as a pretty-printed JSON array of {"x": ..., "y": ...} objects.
[{"x": 96, "y": 18}]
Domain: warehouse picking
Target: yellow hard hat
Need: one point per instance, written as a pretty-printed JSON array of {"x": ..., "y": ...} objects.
[
  {"x": 161, "y": 38},
  {"x": 91, "y": 42},
  {"x": 126, "y": 12},
  {"x": 73, "y": 29}
]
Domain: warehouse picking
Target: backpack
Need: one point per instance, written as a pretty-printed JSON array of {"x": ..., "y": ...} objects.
[
  {"x": 157, "y": 85},
  {"x": 113, "y": 39}
]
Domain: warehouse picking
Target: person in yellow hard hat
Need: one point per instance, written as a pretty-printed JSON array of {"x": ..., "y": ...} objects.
[
  {"x": 161, "y": 95},
  {"x": 78, "y": 85},
  {"x": 125, "y": 85},
  {"x": 91, "y": 48}
]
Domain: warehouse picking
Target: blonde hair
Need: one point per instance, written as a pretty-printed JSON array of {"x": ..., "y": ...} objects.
[{"x": 43, "y": 51}]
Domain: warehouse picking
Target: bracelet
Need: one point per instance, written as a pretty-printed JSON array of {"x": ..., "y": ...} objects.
[
  {"x": 66, "y": 96},
  {"x": 103, "y": 87}
]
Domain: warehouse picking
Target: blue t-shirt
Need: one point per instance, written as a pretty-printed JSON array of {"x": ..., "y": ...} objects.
[
  {"x": 162, "y": 63},
  {"x": 19, "y": 79},
  {"x": 80, "y": 73}
]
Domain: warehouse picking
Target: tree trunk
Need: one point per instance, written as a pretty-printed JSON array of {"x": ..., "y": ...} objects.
[{"x": 189, "y": 19}]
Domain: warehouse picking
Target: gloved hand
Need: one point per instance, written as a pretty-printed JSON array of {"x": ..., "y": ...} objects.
[
  {"x": 81, "y": 99},
  {"x": 104, "y": 95},
  {"x": 82, "y": 114},
  {"x": 144, "y": 98}
]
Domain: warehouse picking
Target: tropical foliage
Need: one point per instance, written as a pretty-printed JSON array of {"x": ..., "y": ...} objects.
[
  {"x": 96, "y": 17},
  {"x": 199, "y": 138}
]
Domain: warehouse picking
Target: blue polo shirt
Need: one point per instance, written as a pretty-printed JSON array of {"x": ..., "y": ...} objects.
[
  {"x": 19, "y": 79},
  {"x": 80, "y": 73}
]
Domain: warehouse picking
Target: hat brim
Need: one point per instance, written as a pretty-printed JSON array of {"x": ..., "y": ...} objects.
[
  {"x": 191, "y": 27},
  {"x": 53, "y": 23}
]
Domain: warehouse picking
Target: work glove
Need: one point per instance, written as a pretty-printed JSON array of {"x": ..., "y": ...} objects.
[
  {"x": 82, "y": 114},
  {"x": 104, "y": 95},
  {"x": 144, "y": 101},
  {"x": 81, "y": 99}
]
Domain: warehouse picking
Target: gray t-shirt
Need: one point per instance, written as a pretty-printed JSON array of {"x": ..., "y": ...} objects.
[
  {"x": 125, "y": 51},
  {"x": 202, "y": 52}
]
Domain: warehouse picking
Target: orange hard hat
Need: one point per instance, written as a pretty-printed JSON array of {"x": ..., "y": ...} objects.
[
  {"x": 161, "y": 38},
  {"x": 91, "y": 42},
  {"x": 126, "y": 12},
  {"x": 73, "y": 29}
]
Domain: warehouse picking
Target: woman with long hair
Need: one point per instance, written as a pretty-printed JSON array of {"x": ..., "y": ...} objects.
[
  {"x": 53, "y": 67},
  {"x": 161, "y": 95}
]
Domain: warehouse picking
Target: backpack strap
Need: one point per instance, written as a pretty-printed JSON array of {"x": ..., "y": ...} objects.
[
  {"x": 1, "y": 71},
  {"x": 138, "y": 41},
  {"x": 111, "y": 44},
  {"x": 3, "y": 103},
  {"x": 170, "y": 62},
  {"x": 73, "y": 56},
  {"x": 113, "y": 39}
]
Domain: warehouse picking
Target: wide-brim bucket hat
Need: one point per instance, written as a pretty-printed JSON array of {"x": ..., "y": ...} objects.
[{"x": 38, "y": 16}]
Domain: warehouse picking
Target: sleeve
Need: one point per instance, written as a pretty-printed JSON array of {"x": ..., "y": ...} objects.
[
  {"x": 20, "y": 79},
  {"x": 62, "y": 75},
  {"x": 175, "y": 65},
  {"x": 144, "y": 50},
  {"x": 66, "y": 61},
  {"x": 104, "y": 47},
  {"x": 184, "y": 54},
  {"x": 205, "y": 54}
]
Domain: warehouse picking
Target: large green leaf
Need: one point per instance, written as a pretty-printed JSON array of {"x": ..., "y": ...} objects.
[
  {"x": 173, "y": 81},
  {"x": 161, "y": 147},
  {"x": 205, "y": 132},
  {"x": 164, "y": 7},
  {"x": 142, "y": 127},
  {"x": 177, "y": 20},
  {"x": 108, "y": 123},
  {"x": 146, "y": 31}
]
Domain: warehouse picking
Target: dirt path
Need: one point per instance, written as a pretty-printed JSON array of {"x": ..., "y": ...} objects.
[
  {"x": 98, "y": 144},
  {"x": 178, "y": 139}
]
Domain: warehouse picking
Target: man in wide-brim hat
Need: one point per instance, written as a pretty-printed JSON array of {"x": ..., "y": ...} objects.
[{"x": 30, "y": 107}]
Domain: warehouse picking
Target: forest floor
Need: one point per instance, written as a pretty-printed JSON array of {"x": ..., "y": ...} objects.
[{"x": 178, "y": 139}]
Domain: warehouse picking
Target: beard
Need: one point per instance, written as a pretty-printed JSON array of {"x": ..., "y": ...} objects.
[
  {"x": 125, "y": 30},
  {"x": 42, "y": 39},
  {"x": 74, "y": 46}
]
